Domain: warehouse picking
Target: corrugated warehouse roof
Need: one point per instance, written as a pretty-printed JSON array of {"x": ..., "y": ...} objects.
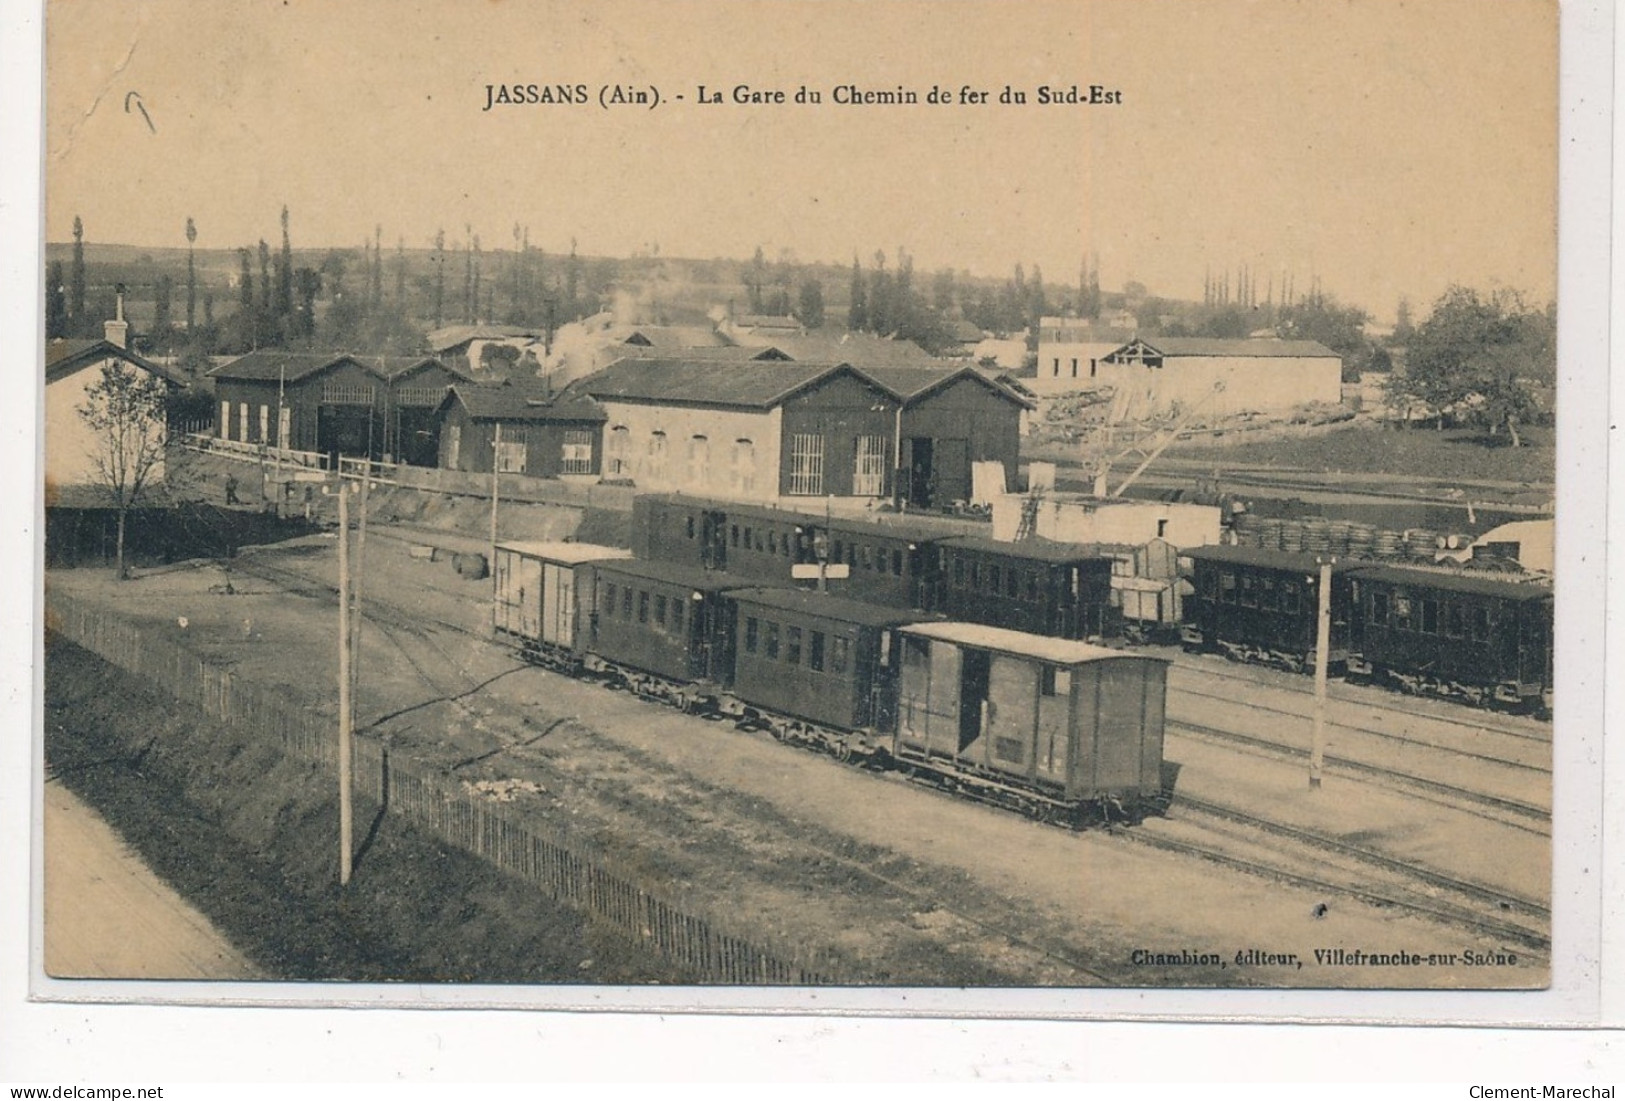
[
  {"x": 524, "y": 403},
  {"x": 759, "y": 384},
  {"x": 912, "y": 383},
  {"x": 270, "y": 365}
]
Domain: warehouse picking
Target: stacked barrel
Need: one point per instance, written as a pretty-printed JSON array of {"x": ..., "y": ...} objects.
[{"x": 1344, "y": 538}]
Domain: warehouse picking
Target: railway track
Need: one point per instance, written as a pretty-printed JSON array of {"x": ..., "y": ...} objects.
[
  {"x": 1234, "y": 838},
  {"x": 397, "y": 621},
  {"x": 1248, "y": 844},
  {"x": 1382, "y": 735},
  {"x": 1240, "y": 673},
  {"x": 1508, "y": 812}
]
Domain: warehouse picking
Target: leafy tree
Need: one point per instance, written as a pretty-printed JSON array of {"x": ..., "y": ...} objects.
[
  {"x": 857, "y": 312},
  {"x": 1226, "y": 324},
  {"x": 162, "y": 325},
  {"x": 1320, "y": 317},
  {"x": 811, "y": 311},
  {"x": 1476, "y": 356},
  {"x": 284, "y": 276},
  {"x": 76, "y": 286},
  {"x": 191, "y": 276},
  {"x": 1404, "y": 326},
  {"x": 56, "y": 302},
  {"x": 439, "y": 277},
  {"x": 126, "y": 409}
]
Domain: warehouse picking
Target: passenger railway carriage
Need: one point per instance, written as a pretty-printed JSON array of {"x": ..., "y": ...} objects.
[
  {"x": 1035, "y": 585},
  {"x": 1480, "y": 639},
  {"x": 1418, "y": 628},
  {"x": 891, "y": 561},
  {"x": 1260, "y": 605},
  {"x": 1051, "y": 727}
]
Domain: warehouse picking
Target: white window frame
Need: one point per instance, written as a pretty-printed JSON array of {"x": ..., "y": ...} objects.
[
  {"x": 869, "y": 467},
  {"x": 806, "y": 464},
  {"x": 576, "y": 456}
]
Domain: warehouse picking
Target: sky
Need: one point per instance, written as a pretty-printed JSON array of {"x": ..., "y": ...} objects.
[{"x": 1388, "y": 148}]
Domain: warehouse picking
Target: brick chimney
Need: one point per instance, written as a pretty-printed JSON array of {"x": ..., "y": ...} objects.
[{"x": 117, "y": 331}]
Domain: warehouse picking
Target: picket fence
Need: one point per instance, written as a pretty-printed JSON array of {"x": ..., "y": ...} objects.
[{"x": 654, "y": 915}]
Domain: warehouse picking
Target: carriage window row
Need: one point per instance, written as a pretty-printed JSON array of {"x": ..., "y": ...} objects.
[
  {"x": 763, "y": 637},
  {"x": 620, "y": 601},
  {"x": 1265, "y": 593},
  {"x": 1428, "y": 616},
  {"x": 1007, "y": 581}
]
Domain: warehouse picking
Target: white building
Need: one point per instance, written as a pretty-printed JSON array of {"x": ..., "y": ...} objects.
[
  {"x": 1081, "y": 518},
  {"x": 1150, "y": 376},
  {"x": 72, "y": 369},
  {"x": 1069, "y": 354}
]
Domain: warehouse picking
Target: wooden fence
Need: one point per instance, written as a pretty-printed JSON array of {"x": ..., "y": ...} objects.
[{"x": 565, "y": 868}]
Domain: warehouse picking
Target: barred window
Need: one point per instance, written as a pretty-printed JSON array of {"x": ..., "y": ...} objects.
[
  {"x": 577, "y": 452},
  {"x": 772, "y": 646},
  {"x": 420, "y": 395},
  {"x": 660, "y": 610},
  {"x": 792, "y": 646},
  {"x": 869, "y": 471},
  {"x": 815, "y": 651},
  {"x": 337, "y": 393},
  {"x": 677, "y": 616},
  {"x": 752, "y": 627},
  {"x": 643, "y": 607},
  {"x": 609, "y": 598},
  {"x": 806, "y": 464}
]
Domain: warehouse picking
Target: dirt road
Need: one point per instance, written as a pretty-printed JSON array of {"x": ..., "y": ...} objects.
[{"x": 108, "y": 916}]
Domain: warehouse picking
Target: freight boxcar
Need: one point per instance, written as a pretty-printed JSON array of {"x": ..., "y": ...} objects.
[
  {"x": 536, "y": 604},
  {"x": 816, "y": 669},
  {"x": 662, "y": 630},
  {"x": 1052, "y": 727},
  {"x": 1260, "y": 605},
  {"x": 1034, "y": 585},
  {"x": 1479, "y": 639}
]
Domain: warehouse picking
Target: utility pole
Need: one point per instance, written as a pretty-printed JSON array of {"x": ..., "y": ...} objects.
[
  {"x": 355, "y": 588},
  {"x": 1323, "y": 645},
  {"x": 346, "y": 716},
  {"x": 496, "y": 466}
]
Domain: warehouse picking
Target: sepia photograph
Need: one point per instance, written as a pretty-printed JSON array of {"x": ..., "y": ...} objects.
[{"x": 562, "y": 499}]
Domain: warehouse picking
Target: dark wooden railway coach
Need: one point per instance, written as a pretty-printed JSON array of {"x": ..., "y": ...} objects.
[
  {"x": 1260, "y": 605},
  {"x": 1476, "y": 638},
  {"x": 662, "y": 619},
  {"x": 1045, "y": 724},
  {"x": 1034, "y": 585},
  {"x": 890, "y": 561},
  {"x": 818, "y": 659}
]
